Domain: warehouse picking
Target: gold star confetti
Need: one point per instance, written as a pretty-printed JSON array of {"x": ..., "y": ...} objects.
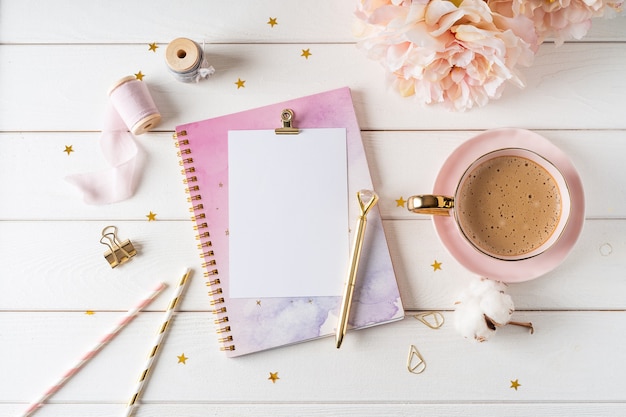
[
  {"x": 182, "y": 359},
  {"x": 273, "y": 377},
  {"x": 436, "y": 265},
  {"x": 90, "y": 312},
  {"x": 153, "y": 47},
  {"x": 227, "y": 232},
  {"x": 151, "y": 216},
  {"x": 258, "y": 302},
  {"x": 240, "y": 83},
  {"x": 139, "y": 76},
  {"x": 400, "y": 202},
  {"x": 306, "y": 53},
  {"x": 515, "y": 384},
  {"x": 272, "y": 21},
  {"x": 68, "y": 149}
]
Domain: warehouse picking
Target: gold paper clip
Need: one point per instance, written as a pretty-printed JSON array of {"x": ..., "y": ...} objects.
[
  {"x": 118, "y": 253},
  {"x": 286, "y": 116},
  {"x": 415, "y": 363},
  {"x": 432, "y": 319}
]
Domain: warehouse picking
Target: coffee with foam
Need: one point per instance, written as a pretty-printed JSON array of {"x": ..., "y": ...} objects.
[{"x": 508, "y": 206}]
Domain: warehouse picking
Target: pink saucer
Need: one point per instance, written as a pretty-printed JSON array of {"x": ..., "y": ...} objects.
[{"x": 476, "y": 261}]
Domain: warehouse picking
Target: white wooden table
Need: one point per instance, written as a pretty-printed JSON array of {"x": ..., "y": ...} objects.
[{"x": 57, "y": 60}]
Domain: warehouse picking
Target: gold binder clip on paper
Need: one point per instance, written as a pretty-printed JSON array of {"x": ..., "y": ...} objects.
[
  {"x": 118, "y": 253},
  {"x": 286, "y": 116}
]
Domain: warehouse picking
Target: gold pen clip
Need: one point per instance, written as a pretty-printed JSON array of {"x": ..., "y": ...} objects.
[{"x": 119, "y": 252}]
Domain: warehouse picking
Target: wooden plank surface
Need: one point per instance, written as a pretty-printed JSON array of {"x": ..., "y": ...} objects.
[
  {"x": 581, "y": 363},
  {"x": 57, "y": 60},
  {"x": 211, "y": 21},
  {"x": 274, "y": 72}
]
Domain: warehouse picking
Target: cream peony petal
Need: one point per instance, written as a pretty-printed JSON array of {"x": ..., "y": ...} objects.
[
  {"x": 458, "y": 56},
  {"x": 385, "y": 15}
]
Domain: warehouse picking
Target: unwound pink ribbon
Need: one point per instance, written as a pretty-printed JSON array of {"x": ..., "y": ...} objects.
[{"x": 118, "y": 146}]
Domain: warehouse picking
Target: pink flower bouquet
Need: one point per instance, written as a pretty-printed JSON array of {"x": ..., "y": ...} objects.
[{"x": 461, "y": 53}]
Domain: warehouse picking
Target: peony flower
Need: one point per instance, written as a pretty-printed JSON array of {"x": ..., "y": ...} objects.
[
  {"x": 558, "y": 19},
  {"x": 459, "y": 55}
]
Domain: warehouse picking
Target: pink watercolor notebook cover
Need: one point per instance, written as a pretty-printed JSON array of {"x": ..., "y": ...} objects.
[{"x": 250, "y": 325}]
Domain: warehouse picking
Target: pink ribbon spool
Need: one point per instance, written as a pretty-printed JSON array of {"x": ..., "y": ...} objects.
[{"x": 134, "y": 104}]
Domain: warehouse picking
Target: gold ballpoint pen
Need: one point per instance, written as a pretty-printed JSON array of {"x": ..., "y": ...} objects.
[{"x": 367, "y": 199}]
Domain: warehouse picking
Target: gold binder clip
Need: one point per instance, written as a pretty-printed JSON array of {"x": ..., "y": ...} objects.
[
  {"x": 118, "y": 253},
  {"x": 286, "y": 116}
]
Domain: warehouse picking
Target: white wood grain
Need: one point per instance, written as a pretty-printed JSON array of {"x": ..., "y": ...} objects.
[
  {"x": 72, "y": 274},
  {"x": 50, "y": 196},
  {"x": 57, "y": 60},
  {"x": 214, "y": 21},
  {"x": 570, "y": 357},
  {"x": 559, "y": 79},
  {"x": 463, "y": 409},
  {"x": 401, "y": 163}
]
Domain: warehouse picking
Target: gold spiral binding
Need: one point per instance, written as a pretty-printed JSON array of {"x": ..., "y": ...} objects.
[
  {"x": 196, "y": 208},
  {"x": 199, "y": 216},
  {"x": 216, "y": 301},
  {"x": 215, "y": 292},
  {"x": 192, "y": 189},
  {"x": 200, "y": 226}
]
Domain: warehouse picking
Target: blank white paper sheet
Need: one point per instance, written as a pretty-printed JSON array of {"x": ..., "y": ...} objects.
[{"x": 288, "y": 213}]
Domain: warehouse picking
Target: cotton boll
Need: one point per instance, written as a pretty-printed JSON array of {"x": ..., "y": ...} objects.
[
  {"x": 470, "y": 321},
  {"x": 482, "y": 308},
  {"x": 497, "y": 306},
  {"x": 481, "y": 286}
]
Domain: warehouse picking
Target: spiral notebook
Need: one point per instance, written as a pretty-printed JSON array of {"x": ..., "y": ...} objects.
[{"x": 253, "y": 324}]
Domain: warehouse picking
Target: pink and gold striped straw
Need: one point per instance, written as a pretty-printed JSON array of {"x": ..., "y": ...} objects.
[
  {"x": 128, "y": 317},
  {"x": 131, "y": 406}
]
